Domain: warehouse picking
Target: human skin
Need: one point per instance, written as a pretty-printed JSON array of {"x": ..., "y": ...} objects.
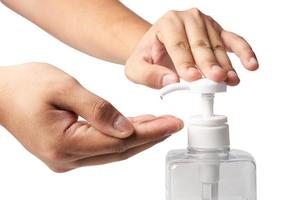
[
  {"x": 152, "y": 54},
  {"x": 42, "y": 113}
]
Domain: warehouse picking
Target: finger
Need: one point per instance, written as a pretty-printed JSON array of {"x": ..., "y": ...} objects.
[
  {"x": 108, "y": 158},
  {"x": 141, "y": 118},
  {"x": 84, "y": 141},
  {"x": 155, "y": 128},
  {"x": 238, "y": 45},
  {"x": 201, "y": 47},
  {"x": 97, "y": 111},
  {"x": 173, "y": 36},
  {"x": 219, "y": 51},
  {"x": 151, "y": 75}
]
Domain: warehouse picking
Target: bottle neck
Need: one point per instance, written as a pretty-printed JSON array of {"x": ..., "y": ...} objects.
[
  {"x": 224, "y": 150},
  {"x": 214, "y": 153}
]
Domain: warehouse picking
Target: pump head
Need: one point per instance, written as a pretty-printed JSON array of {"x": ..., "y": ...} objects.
[
  {"x": 206, "y": 131},
  {"x": 205, "y": 87}
]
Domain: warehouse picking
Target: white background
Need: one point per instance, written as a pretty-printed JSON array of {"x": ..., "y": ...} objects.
[{"x": 263, "y": 110}]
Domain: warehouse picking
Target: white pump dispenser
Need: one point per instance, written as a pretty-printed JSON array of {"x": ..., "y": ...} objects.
[
  {"x": 207, "y": 130},
  {"x": 204, "y": 171}
]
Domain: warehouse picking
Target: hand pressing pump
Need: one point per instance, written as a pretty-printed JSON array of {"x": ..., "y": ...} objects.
[{"x": 208, "y": 169}]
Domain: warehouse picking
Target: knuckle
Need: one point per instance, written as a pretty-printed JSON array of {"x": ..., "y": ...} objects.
[
  {"x": 217, "y": 47},
  {"x": 171, "y": 14},
  {"x": 171, "y": 17},
  {"x": 195, "y": 12},
  {"x": 200, "y": 44},
  {"x": 102, "y": 110},
  {"x": 182, "y": 45}
]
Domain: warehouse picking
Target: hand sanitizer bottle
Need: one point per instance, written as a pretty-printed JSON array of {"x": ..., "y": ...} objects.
[{"x": 208, "y": 169}]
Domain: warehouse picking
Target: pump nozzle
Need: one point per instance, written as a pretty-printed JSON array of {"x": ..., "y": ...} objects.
[
  {"x": 173, "y": 87},
  {"x": 205, "y": 87},
  {"x": 202, "y": 86}
]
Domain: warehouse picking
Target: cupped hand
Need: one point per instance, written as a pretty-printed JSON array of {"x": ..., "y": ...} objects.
[
  {"x": 40, "y": 106},
  {"x": 187, "y": 44}
]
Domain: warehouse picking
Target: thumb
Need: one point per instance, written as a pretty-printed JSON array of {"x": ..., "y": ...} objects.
[
  {"x": 101, "y": 114},
  {"x": 151, "y": 75}
]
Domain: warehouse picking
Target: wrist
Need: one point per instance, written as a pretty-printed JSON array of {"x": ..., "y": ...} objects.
[
  {"x": 125, "y": 29},
  {"x": 139, "y": 27}
]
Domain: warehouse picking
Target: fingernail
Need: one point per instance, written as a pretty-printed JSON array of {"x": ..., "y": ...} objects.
[
  {"x": 181, "y": 124},
  {"x": 168, "y": 79},
  {"x": 253, "y": 60},
  {"x": 123, "y": 125},
  {"x": 231, "y": 74}
]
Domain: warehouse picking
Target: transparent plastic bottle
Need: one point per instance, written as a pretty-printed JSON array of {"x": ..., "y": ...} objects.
[
  {"x": 208, "y": 169},
  {"x": 235, "y": 170}
]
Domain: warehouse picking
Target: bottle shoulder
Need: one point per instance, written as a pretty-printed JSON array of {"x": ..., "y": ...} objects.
[
  {"x": 233, "y": 155},
  {"x": 241, "y": 155}
]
